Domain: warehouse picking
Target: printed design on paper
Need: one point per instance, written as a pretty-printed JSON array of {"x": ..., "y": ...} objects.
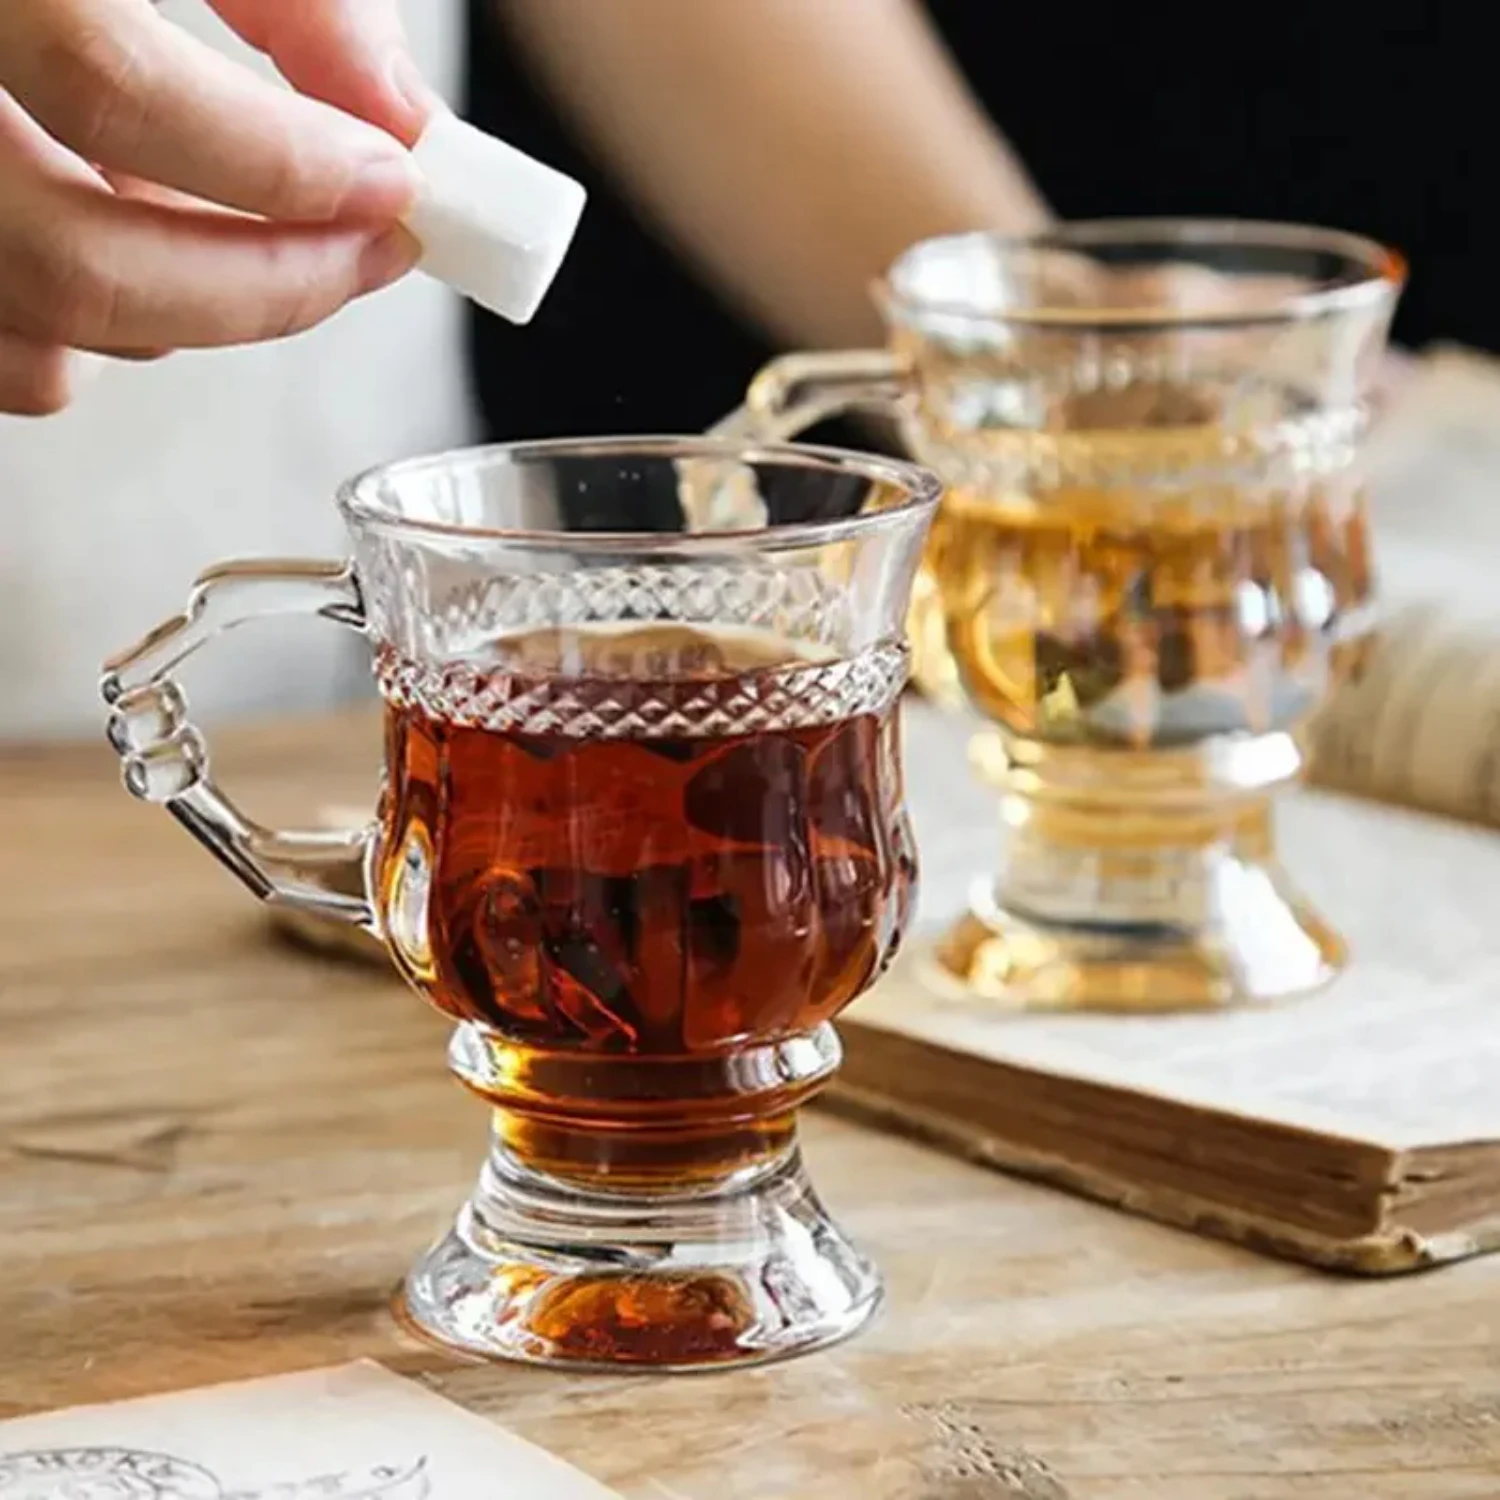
[{"x": 128, "y": 1474}]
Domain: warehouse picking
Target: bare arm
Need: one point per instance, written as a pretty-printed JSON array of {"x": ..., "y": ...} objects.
[{"x": 791, "y": 147}]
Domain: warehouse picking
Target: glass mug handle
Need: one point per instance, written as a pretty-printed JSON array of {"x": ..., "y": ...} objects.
[
  {"x": 798, "y": 391},
  {"x": 165, "y": 757}
]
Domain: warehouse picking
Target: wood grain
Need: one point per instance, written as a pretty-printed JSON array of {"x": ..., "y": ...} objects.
[{"x": 217, "y": 1156}]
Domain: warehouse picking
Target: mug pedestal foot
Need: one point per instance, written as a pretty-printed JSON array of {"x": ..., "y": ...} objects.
[
  {"x": 538, "y": 1271},
  {"x": 1277, "y": 948},
  {"x": 1136, "y": 882}
]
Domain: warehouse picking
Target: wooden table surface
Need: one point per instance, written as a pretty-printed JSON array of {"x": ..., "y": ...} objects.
[{"x": 217, "y": 1157}]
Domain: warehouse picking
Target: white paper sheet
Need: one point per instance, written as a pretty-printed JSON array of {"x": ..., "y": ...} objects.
[{"x": 355, "y": 1432}]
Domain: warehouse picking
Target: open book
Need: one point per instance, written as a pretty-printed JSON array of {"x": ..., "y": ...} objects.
[{"x": 1357, "y": 1129}]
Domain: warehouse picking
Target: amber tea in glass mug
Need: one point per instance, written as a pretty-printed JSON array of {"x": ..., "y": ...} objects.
[
  {"x": 1151, "y": 563},
  {"x": 642, "y": 836},
  {"x": 661, "y": 891}
]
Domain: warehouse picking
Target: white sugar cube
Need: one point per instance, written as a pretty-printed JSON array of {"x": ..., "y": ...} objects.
[{"x": 493, "y": 222}]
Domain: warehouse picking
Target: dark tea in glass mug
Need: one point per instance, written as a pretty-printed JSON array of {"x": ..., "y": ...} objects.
[{"x": 642, "y": 836}]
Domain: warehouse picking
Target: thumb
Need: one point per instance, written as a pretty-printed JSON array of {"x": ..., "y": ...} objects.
[{"x": 352, "y": 54}]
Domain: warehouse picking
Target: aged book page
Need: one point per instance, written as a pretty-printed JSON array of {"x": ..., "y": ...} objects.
[
  {"x": 1421, "y": 726},
  {"x": 1403, "y": 1050}
]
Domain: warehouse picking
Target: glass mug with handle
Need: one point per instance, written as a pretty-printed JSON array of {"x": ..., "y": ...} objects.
[
  {"x": 1151, "y": 564},
  {"x": 641, "y": 835}
]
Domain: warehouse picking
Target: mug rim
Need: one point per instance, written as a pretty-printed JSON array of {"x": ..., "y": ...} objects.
[
  {"x": 358, "y": 503},
  {"x": 1372, "y": 273}
]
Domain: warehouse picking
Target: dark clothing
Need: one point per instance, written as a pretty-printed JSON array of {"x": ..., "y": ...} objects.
[{"x": 1321, "y": 114}]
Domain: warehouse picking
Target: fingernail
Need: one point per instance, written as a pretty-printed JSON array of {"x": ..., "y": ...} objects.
[
  {"x": 387, "y": 259},
  {"x": 385, "y": 187}
]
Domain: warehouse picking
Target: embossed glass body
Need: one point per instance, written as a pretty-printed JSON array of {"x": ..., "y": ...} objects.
[
  {"x": 642, "y": 836},
  {"x": 1151, "y": 563}
]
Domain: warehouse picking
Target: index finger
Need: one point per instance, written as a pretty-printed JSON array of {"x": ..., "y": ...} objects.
[
  {"x": 352, "y": 54},
  {"x": 126, "y": 89}
]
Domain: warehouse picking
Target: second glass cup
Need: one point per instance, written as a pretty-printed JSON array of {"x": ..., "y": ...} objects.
[{"x": 1151, "y": 564}]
